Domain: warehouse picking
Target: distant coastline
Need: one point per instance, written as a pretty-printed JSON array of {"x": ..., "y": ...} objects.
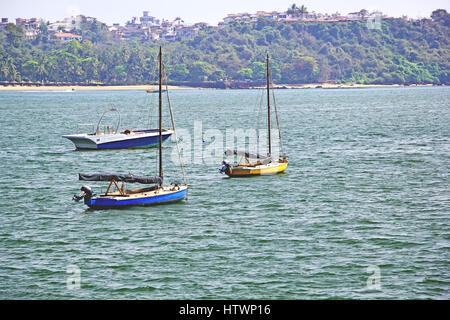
[
  {"x": 66, "y": 88},
  {"x": 303, "y": 49},
  {"x": 86, "y": 88}
]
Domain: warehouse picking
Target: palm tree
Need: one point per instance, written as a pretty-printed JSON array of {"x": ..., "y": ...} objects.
[
  {"x": 4, "y": 69},
  {"x": 363, "y": 13},
  {"x": 303, "y": 10},
  {"x": 293, "y": 10},
  {"x": 8, "y": 68},
  {"x": 296, "y": 11},
  {"x": 41, "y": 68}
]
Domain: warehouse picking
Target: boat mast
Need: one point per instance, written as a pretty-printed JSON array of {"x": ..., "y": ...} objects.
[
  {"x": 160, "y": 115},
  {"x": 268, "y": 103}
]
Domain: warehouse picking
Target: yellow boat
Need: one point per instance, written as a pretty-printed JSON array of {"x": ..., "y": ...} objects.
[
  {"x": 257, "y": 168},
  {"x": 266, "y": 165}
]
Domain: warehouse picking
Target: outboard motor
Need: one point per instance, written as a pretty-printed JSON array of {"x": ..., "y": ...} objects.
[
  {"x": 225, "y": 166},
  {"x": 86, "y": 193}
]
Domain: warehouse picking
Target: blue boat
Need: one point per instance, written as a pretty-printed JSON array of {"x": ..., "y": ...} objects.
[
  {"x": 147, "y": 199},
  {"x": 117, "y": 197},
  {"x": 122, "y": 198}
]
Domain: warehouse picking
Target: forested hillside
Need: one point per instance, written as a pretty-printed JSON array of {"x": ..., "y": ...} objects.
[{"x": 302, "y": 52}]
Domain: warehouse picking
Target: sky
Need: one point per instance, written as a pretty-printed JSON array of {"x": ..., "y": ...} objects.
[{"x": 210, "y": 11}]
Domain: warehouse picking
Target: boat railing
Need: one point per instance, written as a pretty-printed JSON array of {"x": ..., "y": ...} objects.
[
  {"x": 80, "y": 125},
  {"x": 102, "y": 129},
  {"x": 109, "y": 128}
]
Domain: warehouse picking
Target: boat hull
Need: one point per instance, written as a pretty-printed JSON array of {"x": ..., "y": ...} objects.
[
  {"x": 143, "y": 200},
  {"x": 143, "y": 139},
  {"x": 261, "y": 170}
]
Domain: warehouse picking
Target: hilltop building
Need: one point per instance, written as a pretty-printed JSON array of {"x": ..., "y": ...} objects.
[
  {"x": 66, "y": 37},
  {"x": 30, "y": 26},
  {"x": 150, "y": 28},
  {"x": 285, "y": 17}
]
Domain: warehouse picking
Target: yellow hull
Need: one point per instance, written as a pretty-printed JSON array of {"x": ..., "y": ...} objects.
[{"x": 260, "y": 170}]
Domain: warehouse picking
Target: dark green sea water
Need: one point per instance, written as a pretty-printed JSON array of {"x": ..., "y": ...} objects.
[{"x": 368, "y": 184}]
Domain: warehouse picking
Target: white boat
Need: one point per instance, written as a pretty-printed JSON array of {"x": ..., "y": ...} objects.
[{"x": 107, "y": 137}]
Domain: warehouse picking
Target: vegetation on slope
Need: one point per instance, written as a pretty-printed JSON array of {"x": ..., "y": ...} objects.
[{"x": 302, "y": 52}]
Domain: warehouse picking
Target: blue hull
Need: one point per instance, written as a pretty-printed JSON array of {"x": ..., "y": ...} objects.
[
  {"x": 145, "y": 142},
  {"x": 108, "y": 203}
]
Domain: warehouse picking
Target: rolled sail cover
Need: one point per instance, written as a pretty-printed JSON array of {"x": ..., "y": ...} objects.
[
  {"x": 230, "y": 152},
  {"x": 130, "y": 178}
]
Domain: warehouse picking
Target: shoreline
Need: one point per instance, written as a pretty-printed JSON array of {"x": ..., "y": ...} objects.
[{"x": 67, "y": 88}]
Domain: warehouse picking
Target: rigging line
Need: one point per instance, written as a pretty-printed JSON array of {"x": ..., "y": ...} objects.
[
  {"x": 144, "y": 111},
  {"x": 150, "y": 118},
  {"x": 147, "y": 112},
  {"x": 261, "y": 96},
  {"x": 276, "y": 115},
  {"x": 173, "y": 126},
  {"x": 141, "y": 111},
  {"x": 148, "y": 101}
]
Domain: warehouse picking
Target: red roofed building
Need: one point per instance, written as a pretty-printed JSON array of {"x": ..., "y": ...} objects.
[{"x": 66, "y": 37}]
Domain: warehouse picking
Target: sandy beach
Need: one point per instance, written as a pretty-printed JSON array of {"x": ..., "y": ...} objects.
[
  {"x": 153, "y": 87},
  {"x": 86, "y": 88},
  {"x": 344, "y": 86}
]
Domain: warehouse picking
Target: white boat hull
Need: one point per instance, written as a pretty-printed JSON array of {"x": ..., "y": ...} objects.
[{"x": 134, "y": 139}]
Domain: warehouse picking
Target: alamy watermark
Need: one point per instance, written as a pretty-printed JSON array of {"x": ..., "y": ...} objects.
[
  {"x": 74, "y": 279},
  {"x": 374, "y": 280},
  {"x": 208, "y": 146}
]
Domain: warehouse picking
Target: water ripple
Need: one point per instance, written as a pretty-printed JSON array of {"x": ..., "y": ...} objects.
[{"x": 367, "y": 185}]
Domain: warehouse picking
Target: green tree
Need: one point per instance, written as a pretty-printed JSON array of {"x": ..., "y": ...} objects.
[
  {"x": 43, "y": 29},
  {"x": 179, "y": 72},
  {"x": 8, "y": 68},
  {"x": 441, "y": 16},
  {"x": 296, "y": 11},
  {"x": 120, "y": 75},
  {"x": 134, "y": 65},
  {"x": 42, "y": 67},
  {"x": 90, "y": 67},
  {"x": 302, "y": 11},
  {"x": 200, "y": 70},
  {"x": 301, "y": 70},
  {"x": 30, "y": 69},
  {"x": 67, "y": 67},
  {"x": 245, "y": 73},
  {"x": 363, "y": 13},
  {"x": 15, "y": 35},
  {"x": 293, "y": 10},
  {"x": 218, "y": 75},
  {"x": 258, "y": 70},
  {"x": 74, "y": 47}
]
